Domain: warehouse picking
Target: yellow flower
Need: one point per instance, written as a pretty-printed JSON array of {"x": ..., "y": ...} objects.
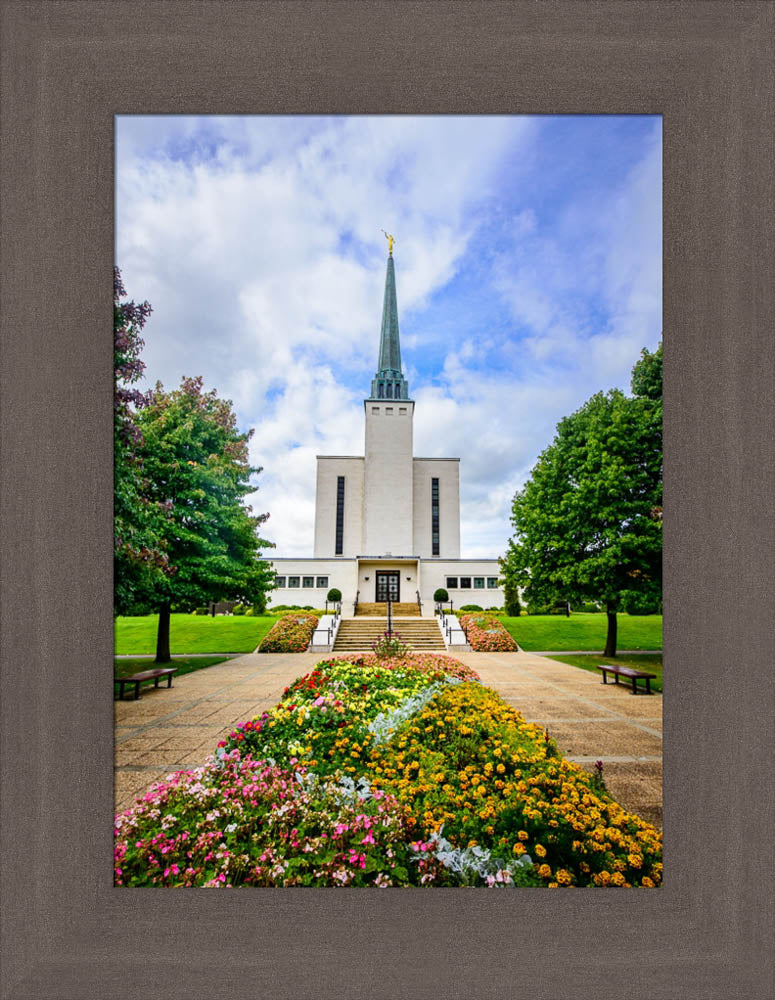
[
  {"x": 602, "y": 878},
  {"x": 545, "y": 871},
  {"x": 647, "y": 882},
  {"x": 617, "y": 878},
  {"x": 518, "y": 849},
  {"x": 563, "y": 876},
  {"x": 635, "y": 860},
  {"x": 540, "y": 850},
  {"x": 523, "y": 835}
]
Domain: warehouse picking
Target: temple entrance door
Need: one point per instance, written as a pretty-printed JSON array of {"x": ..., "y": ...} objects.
[{"x": 388, "y": 585}]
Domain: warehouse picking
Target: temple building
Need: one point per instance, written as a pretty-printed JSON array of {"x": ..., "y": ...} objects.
[{"x": 387, "y": 523}]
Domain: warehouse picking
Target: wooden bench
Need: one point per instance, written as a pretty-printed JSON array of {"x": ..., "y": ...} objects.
[
  {"x": 145, "y": 675},
  {"x": 634, "y": 675}
]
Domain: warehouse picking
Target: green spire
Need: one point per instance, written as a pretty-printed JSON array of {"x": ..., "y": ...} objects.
[{"x": 389, "y": 382}]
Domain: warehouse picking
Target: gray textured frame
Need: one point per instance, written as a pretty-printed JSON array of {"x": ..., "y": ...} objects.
[{"x": 67, "y": 67}]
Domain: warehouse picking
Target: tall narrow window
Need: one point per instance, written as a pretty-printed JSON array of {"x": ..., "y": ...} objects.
[
  {"x": 381, "y": 390},
  {"x": 339, "y": 515},
  {"x": 390, "y": 390},
  {"x": 434, "y": 517}
]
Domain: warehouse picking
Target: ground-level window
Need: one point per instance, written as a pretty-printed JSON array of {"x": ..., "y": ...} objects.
[
  {"x": 465, "y": 582},
  {"x": 478, "y": 583},
  {"x": 309, "y": 581},
  {"x": 492, "y": 582},
  {"x": 451, "y": 583},
  {"x": 280, "y": 581},
  {"x": 322, "y": 581},
  {"x": 294, "y": 581}
]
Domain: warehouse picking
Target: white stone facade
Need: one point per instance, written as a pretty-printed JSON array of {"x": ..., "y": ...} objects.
[{"x": 387, "y": 512}]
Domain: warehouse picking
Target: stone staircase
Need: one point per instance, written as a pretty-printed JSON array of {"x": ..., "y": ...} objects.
[
  {"x": 379, "y": 610},
  {"x": 358, "y": 634}
]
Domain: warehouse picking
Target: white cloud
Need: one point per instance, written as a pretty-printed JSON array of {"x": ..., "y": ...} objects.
[{"x": 258, "y": 243}]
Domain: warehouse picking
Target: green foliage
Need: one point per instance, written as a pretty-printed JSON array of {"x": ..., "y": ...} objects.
[
  {"x": 196, "y": 462},
  {"x": 635, "y": 603},
  {"x": 139, "y": 556},
  {"x": 511, "y": 598},
  {"x": 440, "y": 595},
  {"x": 471, "y": 607},
  {"x": 588, "y": 523},
  {"x": 389, "y": 645},
  {"x": 238, "y": 609},
  {"x": 201, "y": 611},
  {"x": 334, "y": 595}
]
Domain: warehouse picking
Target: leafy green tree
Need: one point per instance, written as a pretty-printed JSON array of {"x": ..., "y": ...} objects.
[
  {"x": 588, "y": 523},
  {"x": 196, "y": 463},
  {"x": 139, "y": 560}
]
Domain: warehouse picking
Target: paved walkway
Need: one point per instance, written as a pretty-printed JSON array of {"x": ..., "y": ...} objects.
[{"x": 167, "y": 730}]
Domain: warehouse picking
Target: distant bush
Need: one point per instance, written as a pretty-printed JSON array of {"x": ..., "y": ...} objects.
[
  {"x": 471, "y": 607},
  {"x": 545, "y": 609},
  {"x": 440, "y": 595},
  {"x": 334, "y": 595},
  {"x": 634, "y": 603},
  {"x": 249, "y": 612},
  {"x": 499, "y": 611},
  {"x": 511, "y": 600},
  {"x": 238, "y": 609},
  {"x": 486, "y": 634},
  {"x": 589, "y": 608},
  {"x": 201, "y": 611}
]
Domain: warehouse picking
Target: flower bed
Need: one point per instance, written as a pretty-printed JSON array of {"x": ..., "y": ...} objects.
[
  {"x": 486, "y": 634},
  {"x": 290, "y": 634},
  {"x": 443, "y": 771},
  {"x": 245, "y": 822},
  {"x": 470, "y": 763}
]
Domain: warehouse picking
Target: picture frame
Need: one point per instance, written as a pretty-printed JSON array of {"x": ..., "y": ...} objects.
[{"x": 68, "y": 68}]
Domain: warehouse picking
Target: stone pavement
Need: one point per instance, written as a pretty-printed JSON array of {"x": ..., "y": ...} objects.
[{"x": 167, "y": 730}]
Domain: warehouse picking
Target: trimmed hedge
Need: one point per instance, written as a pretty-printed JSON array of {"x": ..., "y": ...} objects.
[
  {"x": 290, "y": 634},
  {"x": 486, "y": 634}
]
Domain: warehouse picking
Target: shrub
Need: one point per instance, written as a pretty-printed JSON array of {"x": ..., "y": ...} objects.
[
  {"x": 497, "y": 611},
  {"x": 487, "y": 634},
  {"x": 201, "y": 611},
  {"x": 238, "y": 609},
  {"x": 440, "y": 595},
  {"x": 470, "y": 607},
  {"x": 259, "y": 605},
  {"x": 334, "y": 595},
  {"x": 511, "y": 600},
  {"x": 290, "y": 634},
  {"x": 545, "y": 609},
  {"x": 389, "y": 645},
  {"x": 249, "y": 612},
  {"x": 634, "y": 603}
]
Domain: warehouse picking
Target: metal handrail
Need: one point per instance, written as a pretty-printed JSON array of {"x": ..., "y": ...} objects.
[
  {"x": 419, "y": 602},
  {"x": 389, "y": 630},
  {"x": 355, "y": 602}
]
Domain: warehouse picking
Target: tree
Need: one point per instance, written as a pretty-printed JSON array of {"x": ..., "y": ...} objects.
[
  {"x": 138, "y": 558},
  {"x": 511, "y": 603},
  {"x": 196, "y": 463},
  {"x": 588, "y": 523}
]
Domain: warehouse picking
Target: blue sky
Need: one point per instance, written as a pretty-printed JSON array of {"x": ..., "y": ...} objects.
[{"x": 528, "y": 265}]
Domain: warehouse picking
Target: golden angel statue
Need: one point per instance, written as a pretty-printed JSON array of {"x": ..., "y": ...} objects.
[{"x": 391, "y": 240}]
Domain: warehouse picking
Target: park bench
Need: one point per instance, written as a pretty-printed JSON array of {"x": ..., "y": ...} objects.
[
  {"x": 145, "y": 675},
  {"x": 629, "y": 672}
]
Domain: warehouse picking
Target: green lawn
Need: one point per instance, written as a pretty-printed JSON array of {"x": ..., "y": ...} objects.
[
  {"x": 185, "y": 665},
  {"x": 581, "y": 631},
  {"x": 192, "y": 634},
  {"x": 640, "y": 661}
]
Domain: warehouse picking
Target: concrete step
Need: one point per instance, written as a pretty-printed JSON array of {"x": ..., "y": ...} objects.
[
  {"x": 368, "y": 609},
  {"x": 357, "y": 635}
]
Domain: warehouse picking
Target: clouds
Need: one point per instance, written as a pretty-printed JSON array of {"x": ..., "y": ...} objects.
[{"x": 526, "y": 282}]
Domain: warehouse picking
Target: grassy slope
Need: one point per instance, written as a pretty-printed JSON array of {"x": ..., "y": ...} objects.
[
  {"x": 580, "y": 631},
  {"x": 192, "y": 634},
  {"x": 652, "y": 663},
  {"x": 124, "y": 668}
]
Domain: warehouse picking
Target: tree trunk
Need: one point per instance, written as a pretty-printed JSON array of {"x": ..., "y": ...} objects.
[
  {"x": 610, "y": 639},
  {"x": 163, "y": 635}
]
